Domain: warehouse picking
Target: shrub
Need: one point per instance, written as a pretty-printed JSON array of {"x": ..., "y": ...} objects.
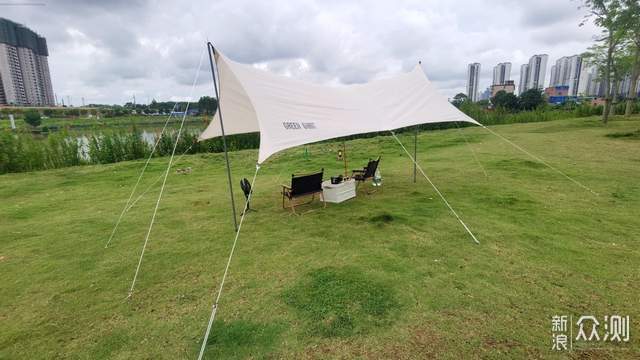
[{"x": 32, "y": 117}]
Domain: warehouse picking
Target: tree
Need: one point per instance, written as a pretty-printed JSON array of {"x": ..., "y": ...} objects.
[
  {"x": 618, "y": 67},
  {"x": 609, "y": 15},
  {"x": 208, "y": 105},
  {"x": 531, "y": 99},
  {"x": 632, "y": 18},
  {"x": 622, "y": 65},
  {"x": 505, "y": 100},
  {"x": 459, "y": 99},
  {"x": 483, "y": 103},
  {"x": 32, "y": 117}
]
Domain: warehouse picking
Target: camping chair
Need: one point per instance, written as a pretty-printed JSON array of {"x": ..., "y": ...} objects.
[
  {"x": 245, "y": 185},
  {"x": 368, "y": 172},
  {"x": 303, "y": 185}
]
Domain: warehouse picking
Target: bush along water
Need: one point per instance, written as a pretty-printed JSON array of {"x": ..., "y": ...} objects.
[{"x": 21, "y": 151}]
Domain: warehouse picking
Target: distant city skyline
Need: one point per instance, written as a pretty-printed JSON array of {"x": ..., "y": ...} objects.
[
  {"x": 108, "y": 51},
  {"x": 578, "y": 76}
]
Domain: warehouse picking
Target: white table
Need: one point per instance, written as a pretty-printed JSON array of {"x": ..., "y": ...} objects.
[{"x": 337, "y": 193}]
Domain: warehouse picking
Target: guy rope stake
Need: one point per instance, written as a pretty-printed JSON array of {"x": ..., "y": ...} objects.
[{"x": 436, "y": 189}]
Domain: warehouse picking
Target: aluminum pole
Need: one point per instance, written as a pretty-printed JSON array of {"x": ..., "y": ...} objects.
[{"x": 210, "y": 50}]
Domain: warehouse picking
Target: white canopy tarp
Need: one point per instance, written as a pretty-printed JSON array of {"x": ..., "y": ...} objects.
[{"x": 289, "y": 112}]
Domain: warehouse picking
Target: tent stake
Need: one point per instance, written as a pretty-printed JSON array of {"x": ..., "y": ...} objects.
[{"x": 211, "y": 49}]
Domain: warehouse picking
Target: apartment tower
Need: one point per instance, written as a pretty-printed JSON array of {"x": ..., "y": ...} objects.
[
  {"x": 501, "y": 73},
  {"x": 473, "y": 73},
  {"x": 24, "y": 69}
]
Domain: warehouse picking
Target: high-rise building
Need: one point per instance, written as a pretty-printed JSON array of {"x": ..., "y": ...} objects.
[
  {"x": 473, "y": 73},
  {"x": 566, "y": 72},
  {"x": 554, "y": 75},
  {"x": 537, "y": 71},
  {"x": 626, "y": 87},
  {"x": 524, "y": 78},
  {"x": 588, "y": 82},
  {"x": 24, "y": 70},
  {"x": 501, "y": 73}
]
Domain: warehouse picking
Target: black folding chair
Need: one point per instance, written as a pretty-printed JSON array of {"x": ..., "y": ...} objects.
[
  {"x": 367, "y": 173},
  {"x": 303, "y": 185}
]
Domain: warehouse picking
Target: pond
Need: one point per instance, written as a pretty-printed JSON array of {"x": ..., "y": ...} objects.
[{"x": 149, "y": 136}]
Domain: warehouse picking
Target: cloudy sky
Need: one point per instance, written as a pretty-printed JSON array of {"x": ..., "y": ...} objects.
[{"x": 107, "y": 51}]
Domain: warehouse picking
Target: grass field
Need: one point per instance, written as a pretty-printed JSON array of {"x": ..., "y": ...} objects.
[{"x": 387, "y": 275}]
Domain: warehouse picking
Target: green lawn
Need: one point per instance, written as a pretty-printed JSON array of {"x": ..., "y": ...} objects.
[{"x": 387, "y": 275}]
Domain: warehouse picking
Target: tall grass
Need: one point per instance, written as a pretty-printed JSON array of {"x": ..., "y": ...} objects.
[
  {"x": 544, "y": 113},
  {"x": 500, "y": 116},
  {"x": 20, "y": 152}
]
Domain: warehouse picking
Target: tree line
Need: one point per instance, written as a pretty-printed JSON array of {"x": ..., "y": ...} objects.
[
  {"x": 529, "y": 100},
  {"x": 616, "y": 51},
  {"x": 206, "y": 105}
]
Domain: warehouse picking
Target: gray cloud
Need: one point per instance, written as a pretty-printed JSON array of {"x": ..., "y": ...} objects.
[{"x": 108, "y": 50}]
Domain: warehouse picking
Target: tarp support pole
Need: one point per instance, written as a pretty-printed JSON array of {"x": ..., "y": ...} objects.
[
  {"x": 415, "y": 148},
  {"x": 415, "y": 154},
  {"x": 344, "y": 157},
  {"x": 212, "y": 50}
]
